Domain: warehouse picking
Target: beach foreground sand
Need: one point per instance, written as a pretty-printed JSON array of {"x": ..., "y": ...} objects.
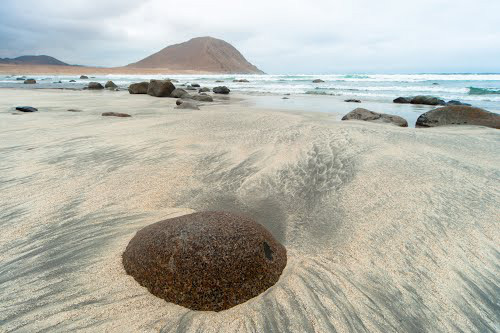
[{"x": 387, "y": 229}]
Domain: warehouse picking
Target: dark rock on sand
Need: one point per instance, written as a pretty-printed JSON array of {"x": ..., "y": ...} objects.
[
  {"x": 74, "y": 110},
  {"x": 352, "y": 101},
  {"x": 190, "y": 88},
  {"x": 209, "y": 261},
  {"x": 427, "y": 100},
  {"x": 115, "y": 114},
  {"x": 241, "y": 81},
  {"x": 221, "y": 90},
  {"x": 202, "y": 98},
  {"x": 454, "y": 102},
  {"x": 30, "y": 81},
  {"x": 110, "y": 84},
  {"x": 367, "y": 115},
  {"x": 318, "y": 81},
  {"x": 178, "y": 93},
  {"x": 182, "y": 104},
  {"x": 160, "y": 88},
  {"x": 20, "y": 78},
  {"x": 219, "y": 81},
  {"x": 285, "y": 97},
  {"x": 458, "y": 115},
  {"x": 138, "y": 88},
  {"x": 84, "y": 77},
  {"x": 196, "y": 85},
  {"x": 204, "y": 89},
  {"x": 26, "y": 109},
  {"x": 95, "y": 86},
  {"x": 402, "y": 100},
  {"x": 72, "y": 81}
]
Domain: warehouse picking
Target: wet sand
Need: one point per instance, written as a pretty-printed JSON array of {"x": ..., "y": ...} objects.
[{"x": 387, "y": 229}]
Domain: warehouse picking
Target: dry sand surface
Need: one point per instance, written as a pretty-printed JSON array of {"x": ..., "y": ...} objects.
[{"x": 387, "y": 229}]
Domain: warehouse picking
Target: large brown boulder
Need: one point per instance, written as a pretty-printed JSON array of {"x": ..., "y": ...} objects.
[
  {"x": 367, "y": 115},
  {"x": 160, "y": 88},
  {"x": 458, "y": 115},
  {"x": 138, "y": 88},
  {"x": 207, "y": 261}
]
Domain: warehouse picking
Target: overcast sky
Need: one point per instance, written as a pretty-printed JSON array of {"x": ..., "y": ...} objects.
[{"x": 278, "y": 36}]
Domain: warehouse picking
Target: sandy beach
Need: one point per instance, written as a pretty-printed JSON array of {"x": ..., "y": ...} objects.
[{"x": 387, "y": 229}]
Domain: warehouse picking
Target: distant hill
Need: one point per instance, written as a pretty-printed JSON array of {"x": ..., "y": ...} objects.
[
  {"x": 33, "y": 60},
  {"x": 200, "y": 54}
]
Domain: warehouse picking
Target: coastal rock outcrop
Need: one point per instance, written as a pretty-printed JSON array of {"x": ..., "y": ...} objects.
[
  {"x": 241, "y": 81},
  {"x": 30, "y": 81},
  {"x": 458, "y": 115},
  {"x": 195, "y": 85},
  {"x": 352, "y": 100},
  {"x": 138, "y": 88},
  {"x": 427, "y": 100},
  {"x": 318, "y": 81},
  {"x": 454, "y": 102},
  {"x": 95, "y": 86},
  {"x": 115, "y": 114},
  {"x": 110, "y": 84},
  {"x": 221, "y": 90},
  {"x": 160, "y": 88},
  {"x": 83, "y": 77},
  {"x": 209, "y": 261},
  {"x": 204, "y": 89},
  {"x": 367, "y": 115},
  {"x": 26, "y": 109}
]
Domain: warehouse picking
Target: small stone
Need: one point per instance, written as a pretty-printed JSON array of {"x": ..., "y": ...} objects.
[
  {"x": 83, "y": 77},
  {"x": 402, "y": 100},
  {"x": 110, "y": 84},
  {"x": 26, "y": 109},
  {"x": 367, "y": 115},
  {"x": 115, "y": 114},
  {"x": 30, "y": 81},
  {"x": 195, "y": 85},
  {"x": 204, "y": 89},
  {"x": 221, "y": 90},
  {"x": 208, "y": 261},
  {"x": 352, "y": 101},
  {"x": 202, "y": 98},
  {"x": 95, "y": 86},
  {"x": 318, "y": 81}
]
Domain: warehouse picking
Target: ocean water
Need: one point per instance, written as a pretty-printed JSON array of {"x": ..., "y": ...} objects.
[{"x": 481, "y": 90}]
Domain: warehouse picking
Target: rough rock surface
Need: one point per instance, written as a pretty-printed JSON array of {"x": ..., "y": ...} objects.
[
  {"x": 202, "y": 98},
  {"x": 95, "y": 86},
  {"x": 427, "y": 100},
  {"x": 115, "y": 114},
  {"x": 207, "y": 261},
  {"x": 402, "y": 100},
  {"x": 138, "y": 88},
  {"x": 221, "y": 90},
  {"x": 458, "y": 115},
  {"x": 367, "y": 115},
  {"x": 160, "y": 88},
  {"x": 110, "y": 84},
  {"x": 178, "y": 93},
  {"x": 26, "y": 109}
]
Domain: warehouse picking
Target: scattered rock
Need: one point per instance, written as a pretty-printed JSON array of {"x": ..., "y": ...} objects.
[
  {"x": 318, "y": 81},
  {"x": 20, "y": 78},
  {"x": 285, "y": 97},
  {"x": 179, "y": 102},
  {"x": 435, "y": 84},
  {"x": 454, "y": 102},
  {"x": 74, "y": 110},
  {"x": 186, "y": 105},
  {"x": 196, "y": 85},
  {"x": 427, "y": 100},
  {"x": 30, "y": 81},
  {"x": 160, "y": 88},
  {"x": 83, "y": 77},
  {"x": 95, "y": 86},
  {"x": 72, "y": 81},
  {"x": 402, "y": 100},
  {"x": 57, "y": 82},
  {"x": 209, "y": 261},
  {"x": 458, "y": 115},
  {"x": 138, "y": 88},
  {"x": 110, "y": 84},
  {"x": 352, "y": 101},
  {"x": 115, "y": 114},
  {"x": 26, "y": 109},
  {"x": 367, "y": 115},
  {"x": 190, "y": 88},
  {"x": 219, "y": 81},
  {"x": 287, "y": 94},
  {"x": 202, "y": 98},
  {"x": 221, "y": 90},
  {"x": 242, "y": 80},
  {"x": 204, "y": 89},
  {"x": 178, "y": 93}
]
